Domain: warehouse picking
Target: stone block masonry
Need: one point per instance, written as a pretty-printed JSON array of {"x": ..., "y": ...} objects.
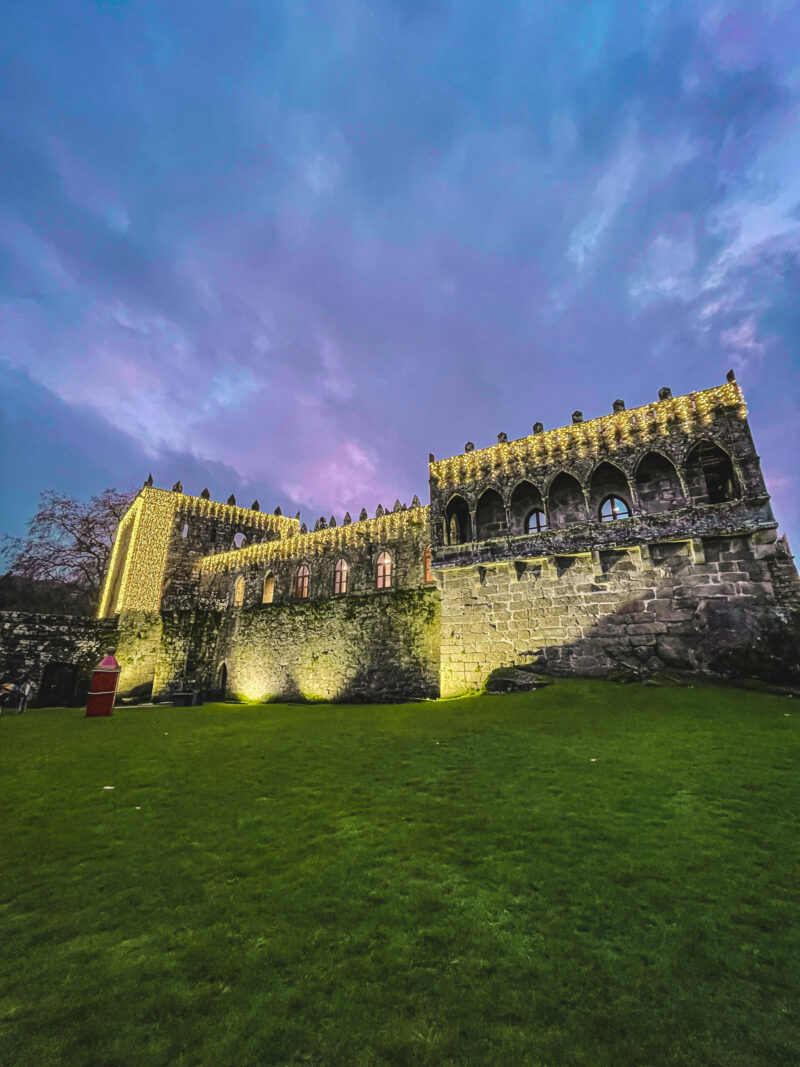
[
  {"x": 643, "y": 538},
  {"x": 588, "y": 614},
  {"x": 56, "y": 652}
]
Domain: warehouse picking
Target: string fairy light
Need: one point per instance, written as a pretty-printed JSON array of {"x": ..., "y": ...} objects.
[
  {"x": 393, "y": 525},
  {"x": 153, "y": 515},
  {"x": 604, "y": 434}
]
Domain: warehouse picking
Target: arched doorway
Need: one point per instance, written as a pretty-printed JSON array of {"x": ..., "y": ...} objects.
[{"x": 222, "y": 682}]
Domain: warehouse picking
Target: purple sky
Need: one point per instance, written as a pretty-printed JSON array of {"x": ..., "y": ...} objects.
[{"x": 286, "y": 250}]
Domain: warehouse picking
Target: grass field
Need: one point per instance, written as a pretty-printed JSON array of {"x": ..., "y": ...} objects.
[{"x": 588, "y": 874}]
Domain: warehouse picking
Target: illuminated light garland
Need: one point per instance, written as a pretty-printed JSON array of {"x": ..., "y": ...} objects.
[
  {"x": 127, "y": 520},
  {"x": 261, "y": 520},
  {"x": 146, "y": 559},
  {"x": 387, "y": 528},
  {"x": 153, "y": 515},
  {"x": 604, "y": 434}
]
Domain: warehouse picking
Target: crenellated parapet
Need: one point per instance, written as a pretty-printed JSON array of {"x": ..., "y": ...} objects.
[
  {"x": 163, "y": 536},
  {"x": 305, "y": 566},
  {"x": 567, "y": 486}
]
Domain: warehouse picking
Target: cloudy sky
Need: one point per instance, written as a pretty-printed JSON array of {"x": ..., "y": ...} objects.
[{"x": 287, "y": 249}]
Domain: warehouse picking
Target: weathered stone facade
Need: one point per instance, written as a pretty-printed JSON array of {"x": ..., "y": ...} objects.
[
  {"x": 56, "y": 652},
  {"x": 644, "y": 538}
]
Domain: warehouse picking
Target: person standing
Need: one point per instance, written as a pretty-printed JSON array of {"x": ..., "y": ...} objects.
[{"x": 24, "y": 695}]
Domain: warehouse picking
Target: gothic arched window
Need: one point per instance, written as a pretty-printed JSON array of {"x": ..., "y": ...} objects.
[
  {"x": 614, "y": 507},
  {"x": 301, "y": 588},
  {"x": 238, "y": 592},
  {"x": 341, "y": 577},
  {"x": 536, "y": 521},
  {"x": 384, "y": 573}
]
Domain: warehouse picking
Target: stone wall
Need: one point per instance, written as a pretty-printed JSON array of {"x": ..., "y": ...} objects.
[
  {"x": 367, "y": 647},
  {"x": 673, "y": 604},
  {"x": 138, "y": 650},
  {"x": 56, "y": 652}
]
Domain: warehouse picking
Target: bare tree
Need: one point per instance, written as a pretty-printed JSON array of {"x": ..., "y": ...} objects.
[{"x": 69, "y": 543}]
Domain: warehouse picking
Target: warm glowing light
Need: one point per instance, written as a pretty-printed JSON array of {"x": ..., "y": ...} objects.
[
  {"x": 605, "y": 434},
  {"x": 153, "y": 515},
  {"x": 388, "y": 527}
]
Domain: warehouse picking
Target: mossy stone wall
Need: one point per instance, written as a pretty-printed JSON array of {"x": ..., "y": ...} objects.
[
  {"x": 675, "y": 604},
  {"x": 371, "y": 647}
]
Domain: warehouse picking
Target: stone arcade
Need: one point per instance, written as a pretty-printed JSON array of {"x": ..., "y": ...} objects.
[{"x": 644, "y": 537}]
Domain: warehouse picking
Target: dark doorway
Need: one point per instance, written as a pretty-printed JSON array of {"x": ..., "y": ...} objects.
[
  {"x": 222, "y": 682},
  {"x": 60, "y": 686}
]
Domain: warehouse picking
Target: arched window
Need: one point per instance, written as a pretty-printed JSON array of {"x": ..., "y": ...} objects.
[
  {"x": 710, "y": 473},
  {"x": 269, "y": 589},
  {"x": 490, "y": 516},
  {"x": 185, "y": 531},
  {"x": 613, "y": 507},
  {"x": 238, "y": 592},
  {"x": 658, "y": 487},
  {"x": 239, "y": 540},
  {"x": 301, "y": 588},
  {"x": 609, "y": 483},
  {"x": 457, "y": 521},
  {"x": 341, "y": 577},
  {"x": 525, "y": 499},
  {"x": 427, "y": 570},
  {"x": 536, "y": 521},
  {"x": 565, "y": 503},
  {"x": 384, "y": 574}
]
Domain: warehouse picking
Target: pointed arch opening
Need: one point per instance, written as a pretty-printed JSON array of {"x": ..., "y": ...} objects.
[
  {"x": 384, "y": 569},
  {"x": 301, "y": 582},
  {"x": 609, "y": 493},
  {"x": 222, "y": 681},
  {"x": 427, "y": 569},
  {"x": 658, "y": 487},
  {"x": 710, "y": 475},
  {"x": 268, "y": 593},
  {"x": 490, "y": 516},
  {"x": 565, "y": 501},
  {"x": 458, "y": 525},
  {"x": 527, "y": 510},
  {"x": 239, "y": 540}
]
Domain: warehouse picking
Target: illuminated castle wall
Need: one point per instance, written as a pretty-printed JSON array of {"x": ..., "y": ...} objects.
[{"x": 642, "y": 538}]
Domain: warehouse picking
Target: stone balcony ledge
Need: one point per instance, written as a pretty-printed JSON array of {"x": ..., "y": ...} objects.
[{"x": 734, "y": 517}]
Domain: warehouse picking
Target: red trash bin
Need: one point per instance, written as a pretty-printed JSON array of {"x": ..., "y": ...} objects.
[{"x": 103, "y": 687}]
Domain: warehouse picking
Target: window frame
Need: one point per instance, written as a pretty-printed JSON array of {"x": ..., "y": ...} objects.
[
  {"x": 302, "y": 582},
  {"x": 384, "y": 570},
  {"x": 613, "y": 499},
  {"x": 270, "y": 576},
  {"x": 238, "y": 588},
  {"x": 341, "y": 577},
  {"x": 540, "y": 526}
]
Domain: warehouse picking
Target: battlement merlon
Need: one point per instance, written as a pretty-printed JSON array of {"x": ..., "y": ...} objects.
[
  {"x": 389, "y": 527},
  {"x": 163, "y": 526},
  {"x": 599, "y": 437}
]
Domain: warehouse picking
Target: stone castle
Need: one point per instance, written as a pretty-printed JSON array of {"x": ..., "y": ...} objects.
[{"x": 642, "y": 539}]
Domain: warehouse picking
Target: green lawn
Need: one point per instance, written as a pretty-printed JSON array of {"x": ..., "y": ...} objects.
[{"x": 588, "y": 874}]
